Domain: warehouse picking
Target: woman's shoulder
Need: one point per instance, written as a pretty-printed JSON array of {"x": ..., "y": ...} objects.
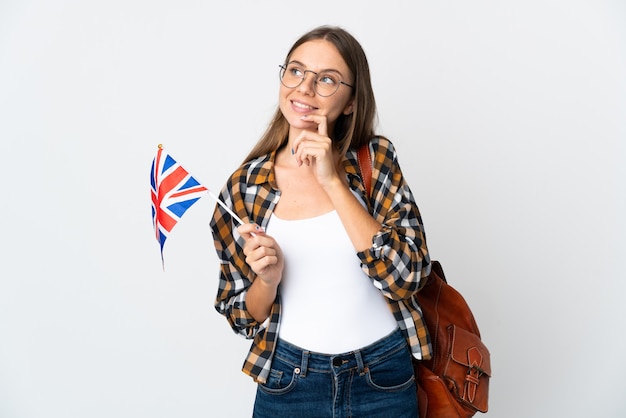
[
  {"x": 253, "y": 171},
  {"x": 382, "y": 144}
]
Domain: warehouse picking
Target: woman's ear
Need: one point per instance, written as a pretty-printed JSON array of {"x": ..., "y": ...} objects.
[{"x": 349, "y": 107}]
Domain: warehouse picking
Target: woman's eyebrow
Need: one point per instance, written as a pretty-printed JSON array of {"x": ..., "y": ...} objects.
[{"x": 324, "y": 70}]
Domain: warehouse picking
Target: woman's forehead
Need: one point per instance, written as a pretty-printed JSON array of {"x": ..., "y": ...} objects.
[{"x": 319, "y": 55}]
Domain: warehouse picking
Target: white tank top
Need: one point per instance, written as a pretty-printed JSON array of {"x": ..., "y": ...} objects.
[{"x": 329, "y": 305}]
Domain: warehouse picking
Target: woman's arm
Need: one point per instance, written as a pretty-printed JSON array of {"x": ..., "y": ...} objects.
[
  {"x": 235, "y": 275},
  {"x": 397, "y": 256}
]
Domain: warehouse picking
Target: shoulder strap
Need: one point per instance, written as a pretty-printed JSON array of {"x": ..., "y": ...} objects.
[{"x": 365, "y": 165}]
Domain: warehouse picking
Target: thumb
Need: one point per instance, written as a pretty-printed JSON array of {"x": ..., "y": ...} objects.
[{"x": 249, "y": 230}]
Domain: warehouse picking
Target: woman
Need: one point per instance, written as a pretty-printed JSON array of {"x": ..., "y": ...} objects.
[{"x": 322, "y": 276}]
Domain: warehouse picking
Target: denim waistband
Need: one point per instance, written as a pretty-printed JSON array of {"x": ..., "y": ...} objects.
[{"x": 336, "y": 363}]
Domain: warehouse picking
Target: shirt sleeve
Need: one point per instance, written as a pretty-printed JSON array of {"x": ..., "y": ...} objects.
[
  {"x": 235, "y": 276},
  {"x": 398, "y": 258}
]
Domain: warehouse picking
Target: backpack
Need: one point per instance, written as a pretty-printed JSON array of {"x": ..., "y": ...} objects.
[{"x": 454, "y": 383}]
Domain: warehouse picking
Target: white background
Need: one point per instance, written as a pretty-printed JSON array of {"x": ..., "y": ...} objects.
[{"x": 510, "y": 121}]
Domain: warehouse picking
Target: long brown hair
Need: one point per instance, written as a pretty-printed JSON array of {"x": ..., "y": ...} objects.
[{"x": 351, "y": 131}]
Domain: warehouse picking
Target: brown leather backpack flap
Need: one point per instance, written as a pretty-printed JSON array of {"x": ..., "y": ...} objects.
[{"x": 468, "y": 367}]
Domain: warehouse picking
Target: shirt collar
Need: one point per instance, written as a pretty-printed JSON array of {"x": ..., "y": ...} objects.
[{"x": 263, "y": 169}]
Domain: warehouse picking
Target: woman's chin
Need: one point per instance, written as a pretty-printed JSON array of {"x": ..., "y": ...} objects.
[{"x": 303, "y": 126}]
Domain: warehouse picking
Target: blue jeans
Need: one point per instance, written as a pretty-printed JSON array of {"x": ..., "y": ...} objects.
[{"x": 375, "y": 381}]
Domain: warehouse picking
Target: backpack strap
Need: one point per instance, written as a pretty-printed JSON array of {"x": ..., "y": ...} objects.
[{"x": 365, "y": 166}]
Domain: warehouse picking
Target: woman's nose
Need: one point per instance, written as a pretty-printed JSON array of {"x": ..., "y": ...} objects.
[{"x": 308, "y": 83}]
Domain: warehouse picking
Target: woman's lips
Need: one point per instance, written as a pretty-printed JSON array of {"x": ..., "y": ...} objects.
[{"x": 302, "y": 107}]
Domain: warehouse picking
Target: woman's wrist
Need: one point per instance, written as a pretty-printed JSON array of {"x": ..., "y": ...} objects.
[{"x": 333, "y": 185}]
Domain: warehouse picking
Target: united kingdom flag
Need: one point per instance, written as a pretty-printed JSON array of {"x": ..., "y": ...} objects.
[{"x": 174, "y": 190}]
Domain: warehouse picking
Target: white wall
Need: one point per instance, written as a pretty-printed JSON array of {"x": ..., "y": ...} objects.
[{"x": 510, "y": 122}]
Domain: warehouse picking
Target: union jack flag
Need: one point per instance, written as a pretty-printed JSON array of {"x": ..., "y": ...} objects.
[{"x": 174, "y": 190}]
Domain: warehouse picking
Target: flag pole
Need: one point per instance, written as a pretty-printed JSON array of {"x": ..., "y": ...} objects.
[{"x": 222, "y": 204}]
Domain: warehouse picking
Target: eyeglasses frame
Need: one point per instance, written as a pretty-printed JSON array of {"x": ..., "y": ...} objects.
[{"x": 283, "y": 68}]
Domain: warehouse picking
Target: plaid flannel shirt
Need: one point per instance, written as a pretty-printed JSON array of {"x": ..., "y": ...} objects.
[{"x": 396, "y": 262}]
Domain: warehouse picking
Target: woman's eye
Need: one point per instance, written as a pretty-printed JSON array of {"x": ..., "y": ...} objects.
[
  {"x": 327, "y": 79},
  {"x": 295, "y": 71}
]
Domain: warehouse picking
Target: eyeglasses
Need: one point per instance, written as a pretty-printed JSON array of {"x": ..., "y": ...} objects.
[{"x": 326, "y": 83}]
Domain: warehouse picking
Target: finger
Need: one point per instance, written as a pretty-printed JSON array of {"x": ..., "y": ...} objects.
[
  {"x": 261, "y": 252},
  {"x": 309, "y": 147},
  {"x": 306, "y": 152},
  {"x": 259, "y": 246},
  {"x": 320, "y": 120},
  {"x": 250, "y": 230},
  {"x": 260, "y": 265}
]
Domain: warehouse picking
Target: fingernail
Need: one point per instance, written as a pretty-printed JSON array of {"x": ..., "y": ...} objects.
[
  {"x": 292, "y": 151},
  {"x": 258, "y": 228}
]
